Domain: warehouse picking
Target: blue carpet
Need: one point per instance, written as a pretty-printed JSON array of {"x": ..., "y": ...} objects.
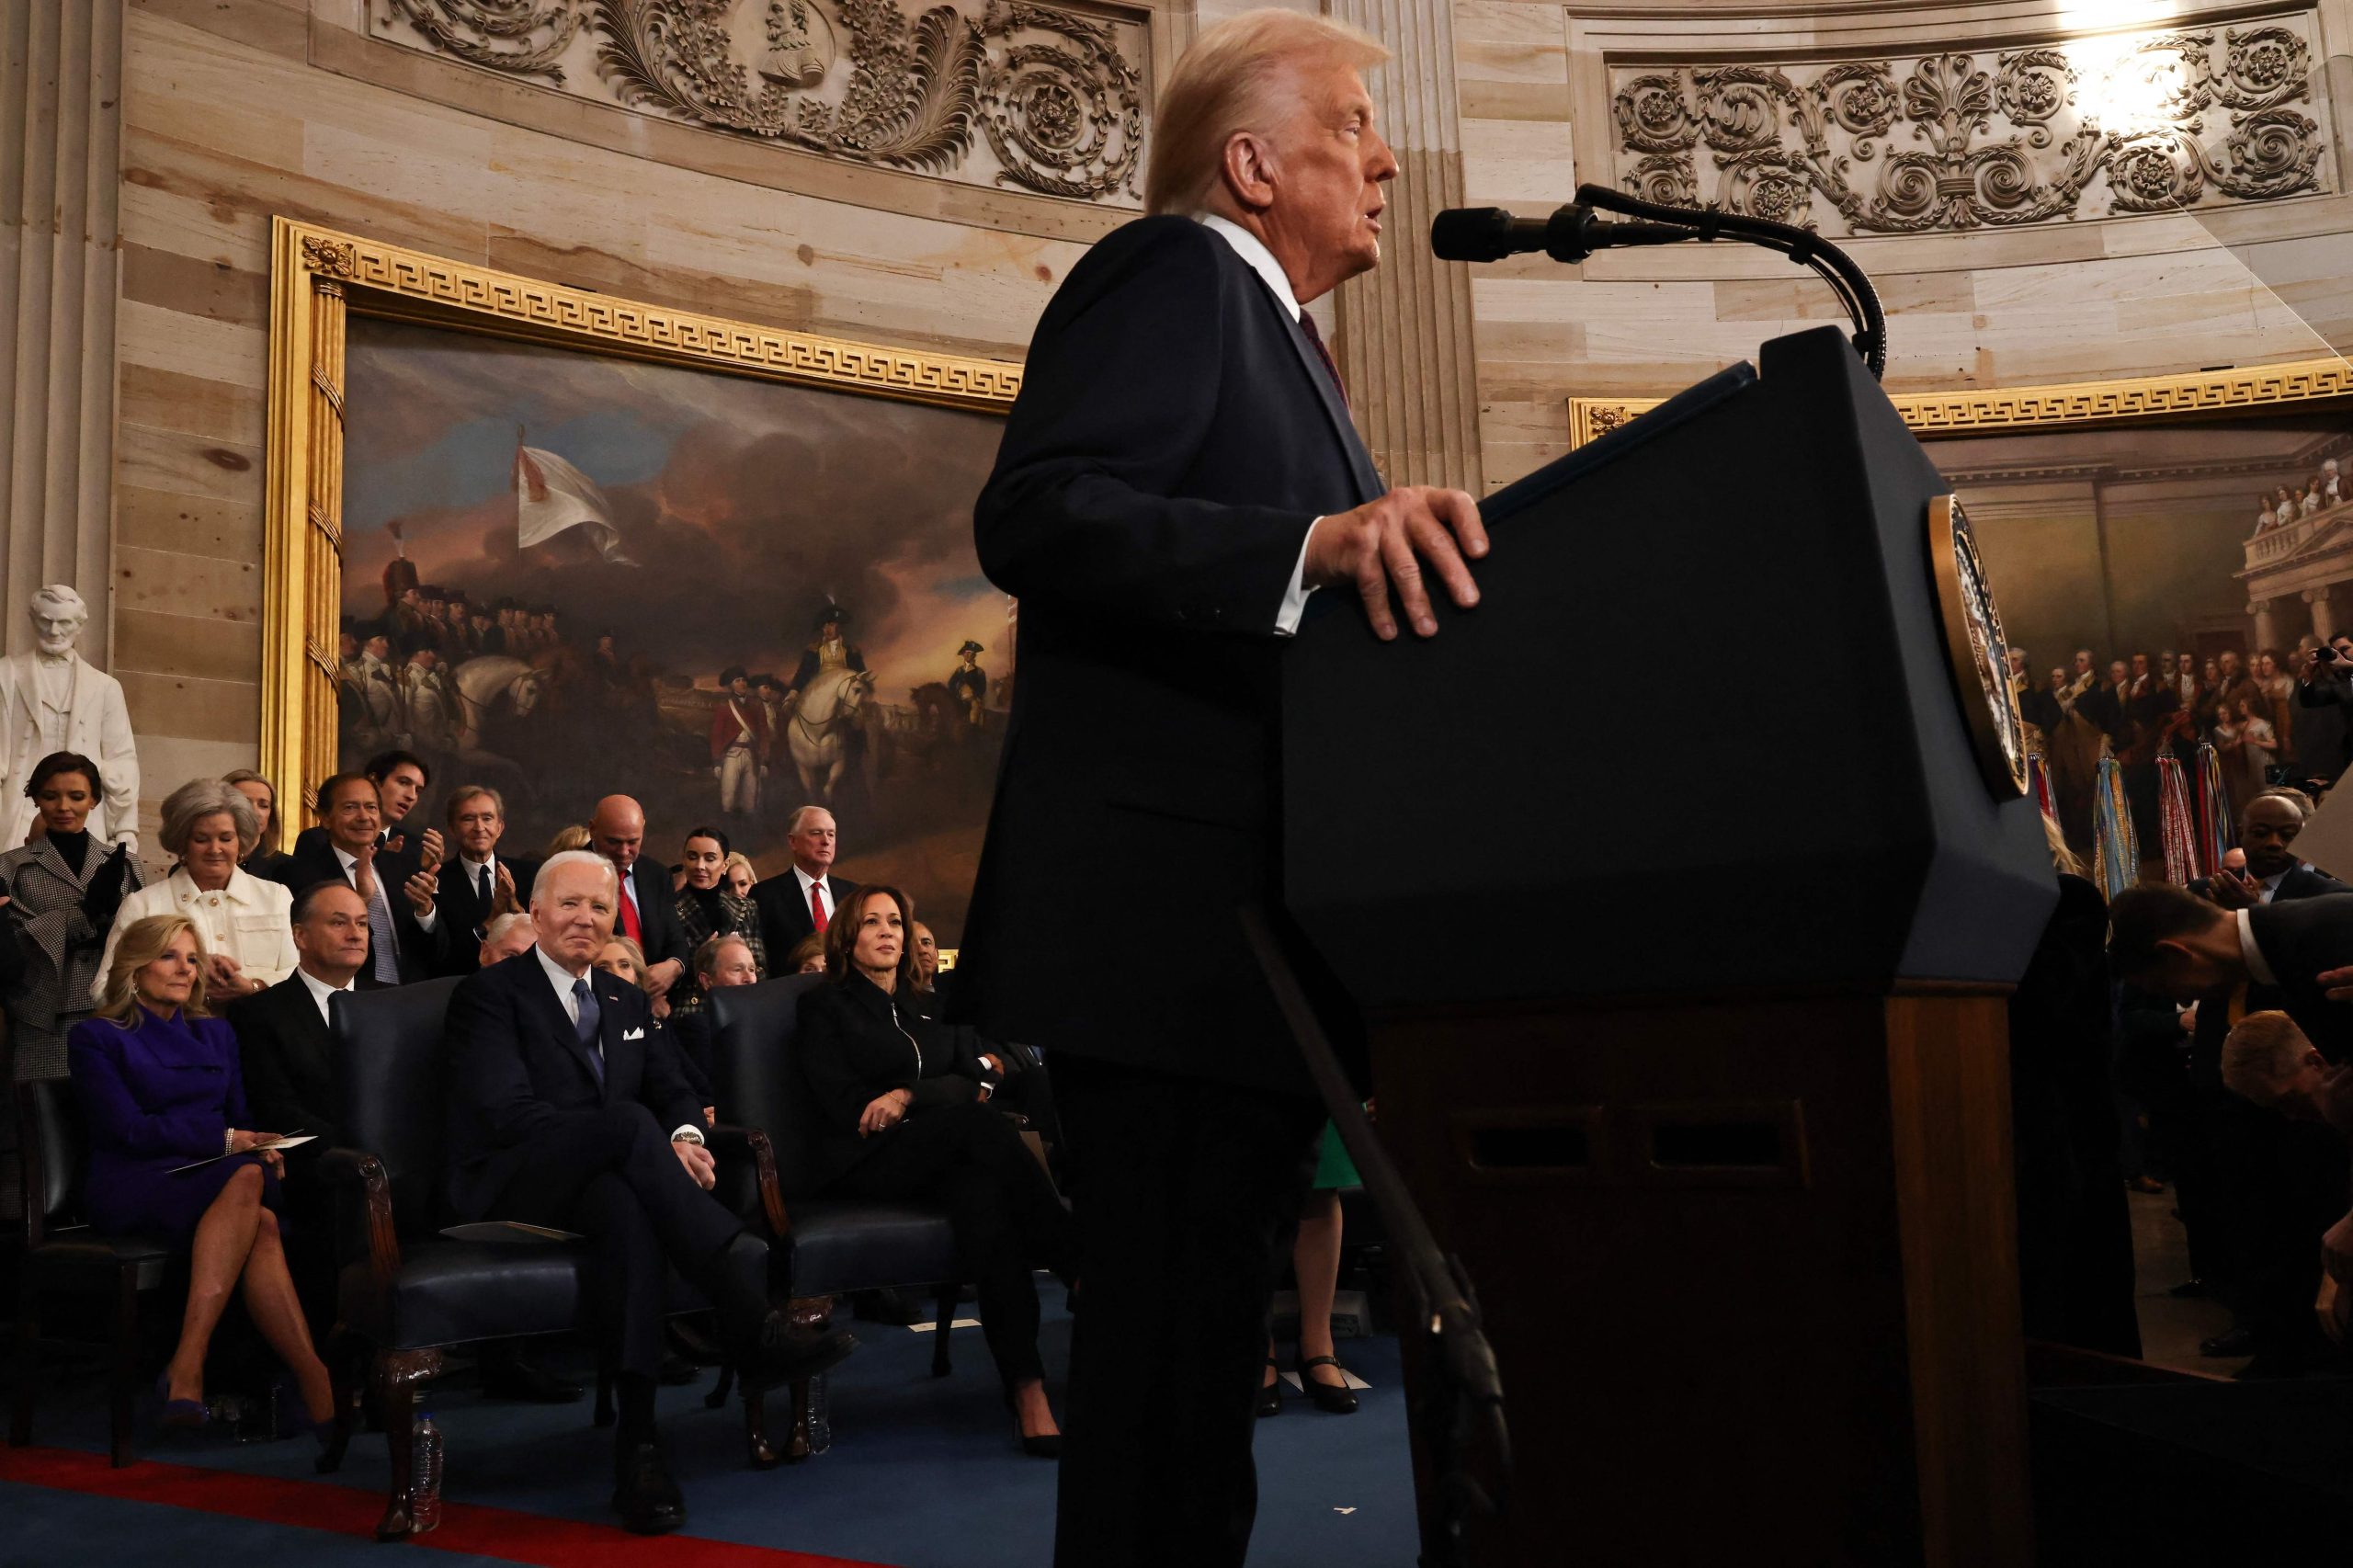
[{"x": 923, "y": 1474}]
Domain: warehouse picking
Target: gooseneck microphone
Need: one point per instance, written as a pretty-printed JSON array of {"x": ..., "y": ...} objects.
[{"x": 1576, "y": 230}]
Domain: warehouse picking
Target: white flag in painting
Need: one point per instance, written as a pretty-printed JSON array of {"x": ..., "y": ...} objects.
[{"x": 551, "y": 495}]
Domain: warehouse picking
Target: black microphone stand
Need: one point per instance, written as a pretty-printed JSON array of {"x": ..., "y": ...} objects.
[{"x": 1460, "y": 1393}]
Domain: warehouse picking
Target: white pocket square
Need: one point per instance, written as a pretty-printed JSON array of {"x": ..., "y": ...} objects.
[{"x": 633, "y": 1034}]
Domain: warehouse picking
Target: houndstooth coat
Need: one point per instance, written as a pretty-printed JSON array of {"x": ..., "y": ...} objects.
[{"x": 61, "y": 952}]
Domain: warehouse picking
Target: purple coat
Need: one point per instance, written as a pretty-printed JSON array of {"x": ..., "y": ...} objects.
[{"x": 156, "y": 1096}]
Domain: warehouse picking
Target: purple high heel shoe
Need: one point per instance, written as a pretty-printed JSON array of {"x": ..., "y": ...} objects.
[{"x": 180, "y": 1415}]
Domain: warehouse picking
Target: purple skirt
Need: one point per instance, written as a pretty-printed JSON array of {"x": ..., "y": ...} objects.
[{"x": 145, "y": 1199}]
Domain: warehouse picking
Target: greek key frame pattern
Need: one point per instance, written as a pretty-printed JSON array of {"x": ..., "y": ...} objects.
[{"x": 2063, "y": 406}]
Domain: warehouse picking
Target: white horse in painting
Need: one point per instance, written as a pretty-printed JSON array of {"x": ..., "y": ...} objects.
[
  {"x": 829, "y": 712},
  {"x": 483, "y": 683}
]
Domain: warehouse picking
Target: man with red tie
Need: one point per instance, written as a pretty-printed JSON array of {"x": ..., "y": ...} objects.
[
  {"x": 793, "y": 906},
  {"x": 646, "y": 917}
]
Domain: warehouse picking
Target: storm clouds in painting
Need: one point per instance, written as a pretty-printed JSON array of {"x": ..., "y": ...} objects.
[{"x": 686, "y": 524}]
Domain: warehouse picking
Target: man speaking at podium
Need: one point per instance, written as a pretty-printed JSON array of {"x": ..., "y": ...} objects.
[{"x": 1179, "y": 476}]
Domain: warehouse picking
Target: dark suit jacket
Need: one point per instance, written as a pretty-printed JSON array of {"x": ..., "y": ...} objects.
[
  {"x": 1175, "y": 437},
  {"x": 515, "y": 1068},
  {"x": 461, "y": 902},
  {"x": 2302, "y": 881},
  {"x": 852, "y": 1046},
  {"x": 290, "y": 1073},
  {"x": 784, "y": 914},
  {"x": 423, "y": 954},
  {"x": 664, "y": 939},
  {"x": 2299, "y": 939}
]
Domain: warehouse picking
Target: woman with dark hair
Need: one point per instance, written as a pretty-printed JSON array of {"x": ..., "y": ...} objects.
[
  {"x": 267, "y": 860},
  {"x": 63, "y": 890},
  {"x": 161, "y": 1089},
  {"x": 708, "y": 907},
  {"x": 899, "y": 1111}
]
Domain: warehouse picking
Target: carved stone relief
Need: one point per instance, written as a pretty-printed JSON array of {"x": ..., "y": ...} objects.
[
  {"x": 1007, "y": 92},
  {"x": 1956, "y": 139}
]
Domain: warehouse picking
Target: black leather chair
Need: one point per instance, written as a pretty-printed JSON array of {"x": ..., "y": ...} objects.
[
  {"x": 66, "y": 1260},
  {"x": 406, "y": 1292},
  {"x": 820, "y": 1247}
]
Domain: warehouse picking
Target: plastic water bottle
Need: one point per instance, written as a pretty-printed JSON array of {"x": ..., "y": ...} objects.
[
  {"x": 821, "y": 1418},
  {"x": 425, "y": 1474}
]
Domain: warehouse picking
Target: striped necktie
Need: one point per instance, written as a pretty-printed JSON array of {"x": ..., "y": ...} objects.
[{"x": 383, "y": 946}]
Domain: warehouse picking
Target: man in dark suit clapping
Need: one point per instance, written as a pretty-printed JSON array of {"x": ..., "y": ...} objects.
[
  {"x": 478, "y": 884},
  {"x": 1178, "y": 475},
  {"x": 562, "y": 1113},
  {"x": 409, "y": 941}
]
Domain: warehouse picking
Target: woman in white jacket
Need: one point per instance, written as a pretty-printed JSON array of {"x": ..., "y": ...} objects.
[{"x": 243, "y": 929}]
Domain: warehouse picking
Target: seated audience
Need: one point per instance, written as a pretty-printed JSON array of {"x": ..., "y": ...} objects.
[
  {"x": 160, "y": 1087},
  {"x": 723, "y": 961},
  {"x": 245, "y": 943},
  {"x": 807, "y": 956},
  {"x": 739, "y": 875},
  {"x": 409, "y": 941},
  {"x": 477, "y": 884},
  {"x": 401, "y": 778},
  {"x": 804, "y": 900},
  {"x": 706, "y": 908},
  {"x": 899, "y": 1112},
  {"x": 558, "y": 1117},
  {"x": 63, "y": 889},
  {"x": 266, "y": 859}
]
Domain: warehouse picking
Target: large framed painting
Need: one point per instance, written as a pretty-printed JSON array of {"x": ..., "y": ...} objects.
[
  {"x": 567, "y": 545},
  {"x": 2166, "y": 553}
]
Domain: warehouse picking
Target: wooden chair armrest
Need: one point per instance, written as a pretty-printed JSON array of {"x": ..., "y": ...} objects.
[
  {"x": 755, "y": 1142},
  {"x": 358, "y": 1168}
]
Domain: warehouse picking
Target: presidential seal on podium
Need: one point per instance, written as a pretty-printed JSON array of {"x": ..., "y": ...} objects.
[{"x": 1976, "y": 649}]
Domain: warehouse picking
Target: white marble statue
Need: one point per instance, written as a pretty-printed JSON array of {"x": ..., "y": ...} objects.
[{"x": 57, "y": 700}]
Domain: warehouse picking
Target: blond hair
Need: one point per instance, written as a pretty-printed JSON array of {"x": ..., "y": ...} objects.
[
  {"x": 2260, "y": 1054},
  {"x": 1231, "y": 81},
  {"x": 145, "y": 942}
]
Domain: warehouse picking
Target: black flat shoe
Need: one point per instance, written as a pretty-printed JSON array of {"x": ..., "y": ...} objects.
[
  {"x": 1270, "y": 1395},
  {"x": 1340, "y": 1400},
  {"x": 648, "y": 1499}
]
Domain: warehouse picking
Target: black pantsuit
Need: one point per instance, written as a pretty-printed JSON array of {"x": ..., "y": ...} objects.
[
  {"x": 1185, "y": 1192},
  {"x": 969, "y": 1158},
  {"x": 855, "y": 1044}
]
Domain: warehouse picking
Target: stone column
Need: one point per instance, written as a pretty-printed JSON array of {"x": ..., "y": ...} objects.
[
  {"x": 2266, "y": 630},
  {"x": 61, "y": 122},
  {"x": 2323, "y": 616},
  {"x": 1403, "y": 340}
]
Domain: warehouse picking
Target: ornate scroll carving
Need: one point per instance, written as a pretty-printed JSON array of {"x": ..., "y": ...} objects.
[
  {"x": 1055, "y": 97},
  {"x": 1954, "y": 139}
]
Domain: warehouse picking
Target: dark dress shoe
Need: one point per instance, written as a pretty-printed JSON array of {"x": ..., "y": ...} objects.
[
  {"x": 785, "y": 1353},
  {"x": 1335, "y": 1401},
  {"x": 2235, "y": 1342},
  {"x": 1270, "y": 1395},
  {"x": 511, "y": 1377},
  {"x": 889, "y": 1306},
  {"x": 649, "y": 1500}
]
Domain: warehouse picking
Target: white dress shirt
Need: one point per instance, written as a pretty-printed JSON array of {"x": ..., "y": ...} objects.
[
  {"x": 1253, "y": 250},
  {"x": 246, "y": 921},
  {"x": 808, "y": 881},
  {"x": 2258, "y": 970},
  {"x": 561, "y": 979},
  {"x": 320, "y": 991}
]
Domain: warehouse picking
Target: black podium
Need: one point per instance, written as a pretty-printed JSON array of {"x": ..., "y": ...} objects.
[{"x": 1683, "y": 976}]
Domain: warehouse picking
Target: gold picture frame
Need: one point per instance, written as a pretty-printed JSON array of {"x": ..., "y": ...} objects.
[
  {"x": 319, "y": 277},
  {"x": 2066, "y": 406}
]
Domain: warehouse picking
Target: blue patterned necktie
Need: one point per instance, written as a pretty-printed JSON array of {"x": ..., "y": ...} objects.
[
  {"x": 591, "y": 1017},
  {"x": 384, "y": 950}
]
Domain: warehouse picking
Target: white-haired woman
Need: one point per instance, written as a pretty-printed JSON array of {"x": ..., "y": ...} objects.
[{"x": 244, "y": 934}]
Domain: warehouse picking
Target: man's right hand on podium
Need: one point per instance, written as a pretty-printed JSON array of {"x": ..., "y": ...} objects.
[{"x": 1383, "y": 545}]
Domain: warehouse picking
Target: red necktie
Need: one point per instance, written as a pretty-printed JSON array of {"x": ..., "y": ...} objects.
[
  {"x": 1315, "y": 341},
  {"x": 630, "y": 927},
  {"x": 817, "y": 906}
]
